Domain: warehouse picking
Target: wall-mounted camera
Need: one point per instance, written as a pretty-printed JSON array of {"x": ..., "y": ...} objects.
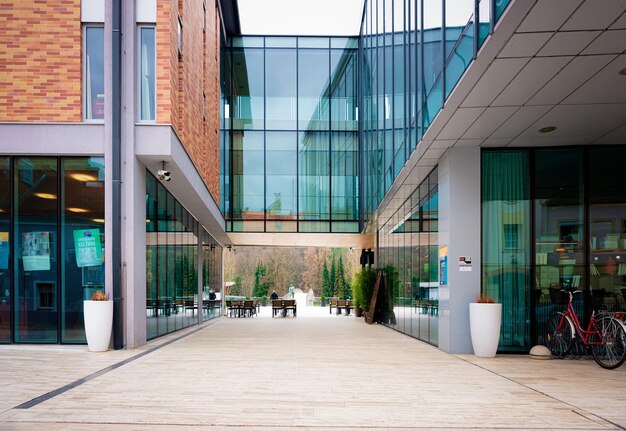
[{"x": 164, "y": 175}]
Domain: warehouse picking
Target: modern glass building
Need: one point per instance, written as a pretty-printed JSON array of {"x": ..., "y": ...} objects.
[{"x": 475, "y": 145}]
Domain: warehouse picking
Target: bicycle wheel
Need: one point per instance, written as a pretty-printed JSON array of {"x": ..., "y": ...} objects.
[
  {"x": 559, "y": 335},
  {"x": 608, "y": 344}
]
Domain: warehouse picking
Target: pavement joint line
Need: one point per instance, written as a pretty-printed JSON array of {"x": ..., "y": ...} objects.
[
  {"x": 266, "y": 426},
  {"x": 58, "y": 391},
  {"x": 574, "y": 408}
]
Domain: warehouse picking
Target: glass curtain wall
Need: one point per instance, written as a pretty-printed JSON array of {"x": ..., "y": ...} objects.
[
  {"x": 408, "y": 255},
  {"x": 46, "y": 205},
  {"x": 413, "y": 54},
  {"x": 291, "y": 154},
  {"x": 552, "y": 219},
  {"x": 172, "y": 238}
]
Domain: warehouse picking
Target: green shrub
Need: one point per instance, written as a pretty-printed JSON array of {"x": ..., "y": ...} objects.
[{"x": 362, "y": 288}]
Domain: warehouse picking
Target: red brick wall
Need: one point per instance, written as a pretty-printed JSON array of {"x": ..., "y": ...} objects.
[
  {"x": 181, "y": 83},
  {"x": 40, "y": 61}
]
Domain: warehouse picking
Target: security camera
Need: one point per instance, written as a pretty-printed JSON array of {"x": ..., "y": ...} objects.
[{"x": 164, "y": 175}]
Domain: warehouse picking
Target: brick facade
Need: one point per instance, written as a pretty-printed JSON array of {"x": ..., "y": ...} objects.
[
  {"x": 188, "y": 86},
  {"x": 40, "y": 61}
]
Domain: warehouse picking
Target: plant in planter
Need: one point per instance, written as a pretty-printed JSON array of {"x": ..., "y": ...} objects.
[
  {"x": 322, "y": 301},
  {"x": 264, "y": 301},
  {"x": 98, "y": 315},
  {"x": 362, "y": 288},
  {"x": 485, "y": 319}
]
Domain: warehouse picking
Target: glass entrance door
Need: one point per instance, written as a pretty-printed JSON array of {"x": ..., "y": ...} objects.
[{"x": 35, "y": 196}]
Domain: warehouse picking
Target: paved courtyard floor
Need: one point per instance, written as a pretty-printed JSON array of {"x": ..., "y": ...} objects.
[{"x": 313, "y": 372}]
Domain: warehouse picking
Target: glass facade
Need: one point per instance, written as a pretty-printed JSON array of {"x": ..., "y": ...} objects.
[
  {"x": 290, "y": 140},
  {"x": 93, "y": 73},
  {"x": 46, "y": 205},
  {"x": 413, "y": 54},
  {"x": 552, "y": 219},
  {"x": 172, "y": 240},
  {"x": 409, "y": 256}
]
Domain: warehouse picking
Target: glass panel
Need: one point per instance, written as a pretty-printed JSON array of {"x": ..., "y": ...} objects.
[
  {"x": 313, "y": 89},
  {"x": 461, "y": 58},
  {"x": 248, "y": 175},
  {"x": 484, "y": 27},
  {"x": 94, "y": 73},
  {"x": 280, "y": 87},
  {"x": 344, "y": 42},
  {"x": 505, "y": 242},
  {"x": 314, "y": 184},
  {"x": 281, "y": 169},
  {"x": 344, "y": 75},
  {"x": 500, "y": 7},
  {"x": 151, "y": 257},
  {"x": 5, "y": 258},
  {"x": 247, "y": 42},
  {"x": 559, "y": 233},
  {"x": 314, "y": 226},
  {"x": 35, "y": 203},
  {"x": 433, "y": 62},
  {"x": 344, "y": 180},
  {"x": 281, "y": 226},
  {"x": 147, "y": 99},
  {"x": 248, "y": 89},
  {"x": 280, "y": 42},
  {"x": 82, "y": 241},
  {"x": 607, "y": 228},
  {"x": 313, "y": 42}
]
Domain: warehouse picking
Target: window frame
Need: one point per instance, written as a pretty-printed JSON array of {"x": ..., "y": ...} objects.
[
  {"x": 85, "y": 26},
  {"x": 138, "y": 74}
]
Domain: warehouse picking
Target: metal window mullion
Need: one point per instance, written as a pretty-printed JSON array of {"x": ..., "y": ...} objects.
[
  {"x": 60, "y": 242},
  {"x": 12, "y": 210}
]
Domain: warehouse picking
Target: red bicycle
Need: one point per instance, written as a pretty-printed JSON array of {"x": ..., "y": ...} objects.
[{"x": 605, "y": 335}]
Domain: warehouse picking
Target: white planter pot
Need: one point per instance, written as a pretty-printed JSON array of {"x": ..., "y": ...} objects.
[
  {"x": 485, "y": 328},
  {"x": 98, "y": 324}
]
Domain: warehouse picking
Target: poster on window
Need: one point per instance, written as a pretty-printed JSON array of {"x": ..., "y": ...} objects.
[
  {"x": 36, "y": 251},
  {"x": 88, "y": 247},
  {"x": 4, "y": 250}
]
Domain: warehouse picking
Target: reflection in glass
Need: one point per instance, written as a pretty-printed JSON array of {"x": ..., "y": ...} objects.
[
  {"x": 313, "y": 93},
  {"x": 82, "y": 215},
  {"x": 35, "y": 234},
  {"x": 94, "y": 73},
  {"x": 280, "y": 88},
  {"x": 506, "y": 248},
  {"x": 281, "y": 170},
  {"x": 5, "y": 258},
  {"x": 248, "y": 87},
  {"x": 248, "y": 175},
  {"x": 147, "y": 99},
  {"x": 314, "y": 176}
]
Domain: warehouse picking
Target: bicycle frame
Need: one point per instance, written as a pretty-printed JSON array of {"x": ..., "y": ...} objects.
[{"x": 571, "y": 315}]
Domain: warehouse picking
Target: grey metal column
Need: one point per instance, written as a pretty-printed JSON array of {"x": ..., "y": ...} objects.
[{"x": 116, "y": 246}]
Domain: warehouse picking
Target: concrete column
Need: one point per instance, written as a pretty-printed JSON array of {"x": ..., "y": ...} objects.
[
  {"x": 133, "y": 195},
  {"x": 460, "y": 235}
]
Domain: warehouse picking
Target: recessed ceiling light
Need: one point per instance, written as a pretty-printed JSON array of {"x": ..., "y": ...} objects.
[
  {"x": 98, "y": 220},
  {"x": 77, "y": 210},
  {"x": 45, "y": 195},
  {"x": 83, "y": 177},
  {"x": 2, "y": 210},
  {"x": 623, "y": 71},
  {"x": 547, "y": 129}
]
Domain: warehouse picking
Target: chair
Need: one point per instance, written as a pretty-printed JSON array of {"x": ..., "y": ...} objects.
[
  {"x": 277, "y": 306},
  {"x": 249, "y": 309},
  {"x": 289, "y": 305},
  {"x": 333, "y": 304},
  {"x": 189, "y": 304}
]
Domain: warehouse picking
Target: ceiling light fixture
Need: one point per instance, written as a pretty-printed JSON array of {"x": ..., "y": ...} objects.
[
  {"x": 98, "y": 220},
  {"x": 547, "y": 129},
  {"x": 77, "y": 210},
  {"x": 45, "y": 195},
  {"x": 83, "y": 177}
]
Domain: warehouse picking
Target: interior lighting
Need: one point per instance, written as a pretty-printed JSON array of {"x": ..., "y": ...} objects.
[
  {"x": 83, "y": 177},
  {"x": 77, "y": 210},
  {"x": 45, "y": 195},
  {"x": 623, "y": 71},
  {"x": 547, "y": 129},
  {"x": 98, "y": 220}
]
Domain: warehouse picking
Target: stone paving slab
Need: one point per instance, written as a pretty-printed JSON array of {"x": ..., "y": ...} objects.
[{"x": 313, "y": 373}]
